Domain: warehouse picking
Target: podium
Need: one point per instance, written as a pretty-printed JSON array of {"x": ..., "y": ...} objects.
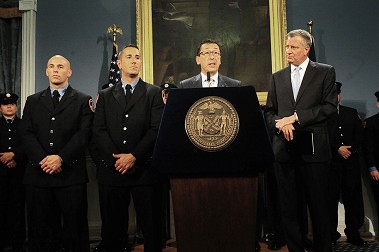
[{"x": 214, "y": 192}]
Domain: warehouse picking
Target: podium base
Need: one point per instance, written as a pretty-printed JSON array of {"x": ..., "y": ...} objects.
[{"x": 215, "y": 213}]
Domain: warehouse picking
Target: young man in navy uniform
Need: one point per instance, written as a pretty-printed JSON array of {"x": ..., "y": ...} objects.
[
  {"x": 56, "y": 127},
  {"x": 346, "y": 136},
  {"x": 12, "y": 167},
  {"x": 125, "y": 128}
]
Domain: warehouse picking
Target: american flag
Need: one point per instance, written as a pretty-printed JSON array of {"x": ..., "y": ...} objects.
[{"x": 114, "y": 71}]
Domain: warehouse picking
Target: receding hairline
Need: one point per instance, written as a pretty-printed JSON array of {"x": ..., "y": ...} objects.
[
  {"x": 129, "y": 46},
  {"x": 61, "y": 57},
  {"x": 306, "y": 36}
]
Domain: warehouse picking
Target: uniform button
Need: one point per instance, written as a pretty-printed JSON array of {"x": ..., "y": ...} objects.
[
  {"x": 53, "y": 118},
  {"x": 9, "y": 148},
  {"x": 51, "y": 144},
  {"x": 124, "y": 142},
  {"x": 51, "y": 131},
  {"x": 9, "y": 130},
  {"x": 340, "y": 127},
  {"x": 341, "y": 134},
  {"x": 10, "y": 138},
  {"x": 126, "y": 115},
  {"x": 124, "y": 128}
]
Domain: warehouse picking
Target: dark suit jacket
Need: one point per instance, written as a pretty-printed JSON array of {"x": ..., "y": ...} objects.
[
  {"x": 132, "y": 128},
  {"x": 65, "y": 131},
  {"x": 345, "y": 128},
  {"x": 10, "y": 138},
  {"x": 316, "y": 102},
  {"x": 371, "y": 141},
  {"x": 196, "y": 82}
]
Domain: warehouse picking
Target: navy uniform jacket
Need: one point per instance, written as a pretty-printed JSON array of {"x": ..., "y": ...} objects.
[
  {"x": 315, "y": 103},
  {"x": 132, "y": 128},
  {"x": 65, "y": 131},
  {"x": 371, "y": 141},
  {"x": 346, "y": 128},
  {"x": 10, "y": 141},
  {"x": 196, "y": 82}
]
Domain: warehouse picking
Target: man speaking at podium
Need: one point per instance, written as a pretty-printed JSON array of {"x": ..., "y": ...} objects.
[
  {"x": 208, "y": 56},
  {"x": 301, "y": 99}
]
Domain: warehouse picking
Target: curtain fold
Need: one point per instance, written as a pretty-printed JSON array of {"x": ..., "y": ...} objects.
[{"x": 10, "y": 54}]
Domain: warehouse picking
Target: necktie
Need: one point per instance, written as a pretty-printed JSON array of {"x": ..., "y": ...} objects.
[
  {"x": 56, "y": 96},
  {"x": 128, "y": 93},
  {"x": 212, "y": 83},
  {"x": 9, "y": 121},
  {"x": 296, "y": 82}
]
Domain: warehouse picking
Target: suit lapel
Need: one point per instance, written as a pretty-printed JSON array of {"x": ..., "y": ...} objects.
[
  {"x": 46, "y": 100},
  {"x": 138, "y": 92},
  {"x": 66, "y": 99},
  {"x": 308, "y": 76},
  {"x": 119, "y": 95},
  {"x": 198, "y": 81},
  {"x": 221, "y": 82},
  {"x": 288, "y": 83}
]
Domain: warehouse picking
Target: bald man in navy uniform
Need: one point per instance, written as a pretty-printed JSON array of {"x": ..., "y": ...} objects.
[{"x": 56, "y": 131}]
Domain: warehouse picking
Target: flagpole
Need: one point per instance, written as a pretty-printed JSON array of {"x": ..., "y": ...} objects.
[
  {"x": 114, "y": 71},
  {"x": 312, "y": 51},
  {"x": 114, "y": 30},
  {"x": 310, "y": 23}
]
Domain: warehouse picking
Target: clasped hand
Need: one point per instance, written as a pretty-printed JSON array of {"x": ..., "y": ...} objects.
[
  {"x": 285, "y": 125},
  {"x": 124, "y": 162},
  {"x": 51, "y": 164},
  {"x": 7, "y": 159},
  {"x": 344, "y": 151}
]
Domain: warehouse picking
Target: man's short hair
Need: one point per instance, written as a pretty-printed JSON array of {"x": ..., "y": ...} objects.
[
  {"x": 377, "y": 95},
  {"x": 207, "y": 41},
  {"x": 307, "y": 37}
]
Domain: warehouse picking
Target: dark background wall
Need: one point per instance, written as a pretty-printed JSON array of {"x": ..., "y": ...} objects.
[
  {"x": 78, "y": 31},
  {"x": 346, "y": 36},
  {"x": 345, "y": 32}
]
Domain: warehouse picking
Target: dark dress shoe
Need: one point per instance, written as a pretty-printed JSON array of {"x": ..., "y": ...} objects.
[
  {"x": 357, "y": 241},
  {"x": 335, "y": 238}
]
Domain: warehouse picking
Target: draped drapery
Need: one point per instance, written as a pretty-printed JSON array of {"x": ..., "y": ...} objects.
[{"x": 10, "y": 47}]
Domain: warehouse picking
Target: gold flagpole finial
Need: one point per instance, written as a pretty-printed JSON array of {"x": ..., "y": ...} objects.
[
  {"x": 310, "y": 23},
  {"x": 114, "y": 30}
]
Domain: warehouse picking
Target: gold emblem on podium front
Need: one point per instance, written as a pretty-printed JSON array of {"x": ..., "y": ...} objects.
[{"x": 212, "y": 123}]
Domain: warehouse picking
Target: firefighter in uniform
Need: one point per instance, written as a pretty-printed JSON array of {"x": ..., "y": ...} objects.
[{"x": 12, "y": 167}]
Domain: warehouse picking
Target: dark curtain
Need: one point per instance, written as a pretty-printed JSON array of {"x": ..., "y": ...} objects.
[{"x": 10, "y": 47}]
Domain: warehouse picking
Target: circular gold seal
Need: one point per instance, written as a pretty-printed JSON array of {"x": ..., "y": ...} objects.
[{"x": 212, "y": 123}]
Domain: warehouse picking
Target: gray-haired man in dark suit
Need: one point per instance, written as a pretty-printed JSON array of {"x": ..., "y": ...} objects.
[{"x": 301, "y": 99}]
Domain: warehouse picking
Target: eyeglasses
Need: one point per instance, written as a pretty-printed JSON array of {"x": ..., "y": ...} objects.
[{"x": 208, "y": 54}]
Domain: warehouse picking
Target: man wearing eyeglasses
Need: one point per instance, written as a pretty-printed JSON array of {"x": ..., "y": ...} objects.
[{"x": 208, "y": 56}]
